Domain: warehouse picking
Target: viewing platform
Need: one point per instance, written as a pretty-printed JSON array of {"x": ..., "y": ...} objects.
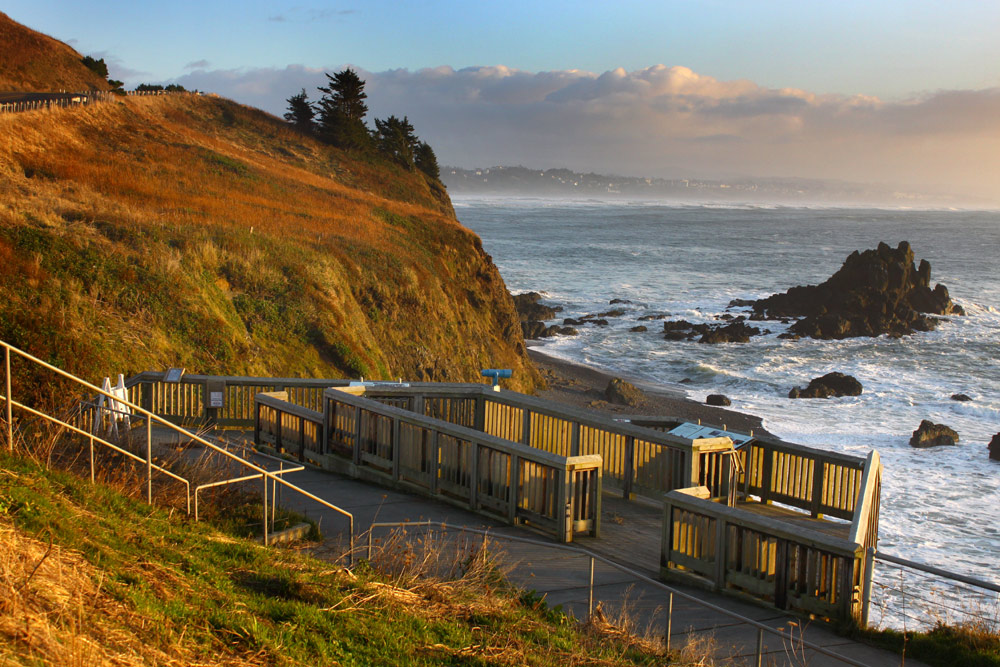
[{"x": 784, "y": 525}]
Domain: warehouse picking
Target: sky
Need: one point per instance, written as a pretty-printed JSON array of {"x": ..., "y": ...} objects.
[{"x": 892, "y": 92}]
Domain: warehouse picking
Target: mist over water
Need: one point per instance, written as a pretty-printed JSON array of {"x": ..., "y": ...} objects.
[{"x": 941, "y": 505}]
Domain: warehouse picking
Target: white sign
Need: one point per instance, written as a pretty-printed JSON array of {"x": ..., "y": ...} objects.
[{"x": 215, "y": 399}]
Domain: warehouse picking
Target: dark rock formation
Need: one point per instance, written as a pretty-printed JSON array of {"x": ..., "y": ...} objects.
[
  {"x": 929, "y": 434},
  {"x": 995, "y": 447},
  {"x": 615, "y": 312},
  {"x": 529, "y": 309},
  {"x": 718, "y": 399},
  {"x": 831, "y": 384},
  {"x": 639, "y": 328},
  {"x": 737, "y": 332},
  {"x": 961, "y": 397},
  {"x": 657, "y": 316},
  {"x": 532, "y": 330},
  {"x": 622, "y": 392},
  {"x": 875, "y": 292}
]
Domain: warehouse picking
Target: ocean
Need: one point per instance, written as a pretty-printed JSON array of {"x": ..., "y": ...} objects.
[{"x": 940, "y": 506}]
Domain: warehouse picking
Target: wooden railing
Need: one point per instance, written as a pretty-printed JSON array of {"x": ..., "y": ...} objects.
[
  {"x": 386, "y": 442},
  {"x": 791, "y": 567},
  {"x": 189, "y": 401},
  {"x": 635, "y": 460}
]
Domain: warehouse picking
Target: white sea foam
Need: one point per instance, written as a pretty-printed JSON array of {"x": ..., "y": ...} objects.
[{"x": 939, "y": 505}]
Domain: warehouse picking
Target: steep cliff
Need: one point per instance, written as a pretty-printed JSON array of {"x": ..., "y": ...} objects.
[{"x": 192, "y": 231}]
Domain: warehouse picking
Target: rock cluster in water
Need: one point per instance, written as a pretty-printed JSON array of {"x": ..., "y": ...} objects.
[
  {"x": 531, "y": 313},
  {"x": 830, "y": 385},
  {"x": 875, "y": 292},
  {"x": 929, "y": 434}
]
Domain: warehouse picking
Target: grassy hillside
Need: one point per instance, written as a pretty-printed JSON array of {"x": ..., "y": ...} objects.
[
  {"x": 192, "y": 231},
  {"x": 89, "y": 576},
  {"x": 33, "y": 62}
]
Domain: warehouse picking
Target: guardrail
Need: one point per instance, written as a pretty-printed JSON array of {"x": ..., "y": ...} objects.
[
  {"x": 62, "y": 100},
  {"x": 635, "y": 460},
  {"x": 149, "y": 418},
  {"x": 790, "y": 642},
  {"x": 372, "y": 440}
]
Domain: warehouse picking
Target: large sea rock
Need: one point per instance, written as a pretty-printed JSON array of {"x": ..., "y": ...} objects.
[
  {"x": 929, "y": 434},
  {"x": 995, "y": 447},
  {"x": 875, "y": 292},
  {"x": 622, "y": 392},
  {"x": 830, "y": 385}
]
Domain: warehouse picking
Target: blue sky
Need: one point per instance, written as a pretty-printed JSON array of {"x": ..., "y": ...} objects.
[
  {"x": 887, "y": 91},
  {"x": 887, "y": 48}
]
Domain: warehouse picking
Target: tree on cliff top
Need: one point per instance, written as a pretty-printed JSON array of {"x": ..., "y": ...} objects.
[
  {"x": 396, "y": 139},
  {"x": 342, "y": 110},
  {"x": 301, "y": 112},
  {"x": 426, "y": 160}
]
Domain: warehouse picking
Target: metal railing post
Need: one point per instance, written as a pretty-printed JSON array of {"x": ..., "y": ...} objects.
[
  {"x": 590, "y": 600},
  {"x": 91, "y": 458},
  {"x": 264, "y": 477},
  {"x": 670, "y": 618},
  {"x": 10, "y": 419},
  {"x": 149, "y": 460},
  {"x": 760, "y": 647}
]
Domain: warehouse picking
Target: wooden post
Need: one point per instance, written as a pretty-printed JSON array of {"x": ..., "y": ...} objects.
[
  {"x": 435, "y": 461},
  {"x": 574, "y": 439},
  {"x": 564, "y": 506},
  {"x": 515, "y": 488},
  {"x": 526, "y": 427},
  {"x": 720, "y": 553},
  {"x": 357, "y": 436},
  {"x": 819, "y": 468},
  {"x": 256, "y": 423},
  {"x": 766, "y": 460},
  {"x": 629, "y": 472},
  {"x": 666, "y": 538},
  {"x": 781, "y": 574},
  {"x": 473, "y": 475},
  {"x": 395, "y": 449}
]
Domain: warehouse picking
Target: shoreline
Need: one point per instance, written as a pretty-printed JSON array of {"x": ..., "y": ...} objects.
[{"x": 583, "y": 386}]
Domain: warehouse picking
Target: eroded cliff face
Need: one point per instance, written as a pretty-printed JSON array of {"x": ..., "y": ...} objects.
[{"x": 192, "y": 231}]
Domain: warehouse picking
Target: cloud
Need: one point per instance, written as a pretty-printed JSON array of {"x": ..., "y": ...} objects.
[
  {"x": 197, "y": 64},
  {"x": 309, "y": 15},
  {"x": 117, "y": 68},
  {"x": 664, "y": 121}
]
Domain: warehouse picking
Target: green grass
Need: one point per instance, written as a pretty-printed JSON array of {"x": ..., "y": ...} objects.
[
  {"x": 942, "y": 646},
  {"x": 170, "y": 589}
]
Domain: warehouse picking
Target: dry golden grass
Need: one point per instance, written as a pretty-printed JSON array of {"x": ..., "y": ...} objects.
[
  {"x": 192, "y": 231},
  {"x": 34, "y": 62}
]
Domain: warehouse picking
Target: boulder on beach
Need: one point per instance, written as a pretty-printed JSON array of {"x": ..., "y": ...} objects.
[
  {"x": 718, "y": 399},
  {"x": 622, "y": 392},
  {"x": 830, "y": 385},
  {"x": 995, "y": 447},
  {"x": 929, "y": 434},
  {"x": 876, "y": 292}
]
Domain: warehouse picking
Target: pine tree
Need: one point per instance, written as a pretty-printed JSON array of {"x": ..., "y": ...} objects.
[
  {"x": 342, "y": 110},
  {"x": 300, "y": 112},
  {"x": 395, "y": 138},
  {"x": 426, "y": 160}
]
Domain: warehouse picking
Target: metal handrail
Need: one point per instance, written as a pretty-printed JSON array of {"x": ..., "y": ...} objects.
[
  {"x": 930, "y": 569},
  {"x": 150, "y": 418},
  {"x": 761, "y": 628},
  {"x": 104, "y": 442},
  {"x": 235, "y": 480}
]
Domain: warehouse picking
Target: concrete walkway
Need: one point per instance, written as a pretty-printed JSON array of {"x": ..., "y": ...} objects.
[{"x": 563, "y": 578}]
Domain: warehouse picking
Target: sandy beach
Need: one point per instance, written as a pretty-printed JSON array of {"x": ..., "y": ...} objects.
[{"x": 583, "y": 387}]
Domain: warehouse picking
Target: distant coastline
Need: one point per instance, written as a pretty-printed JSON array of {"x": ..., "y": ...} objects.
[{"x": 561, "y": 183}]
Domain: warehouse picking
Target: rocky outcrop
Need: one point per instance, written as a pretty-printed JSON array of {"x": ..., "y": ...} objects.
[
  {"x": 962, "y": 398},
  {"x": 718, "y": 399},
  {"x": 529, "y": 309},
  {"x": 830, "y": 385},
  {"x": 534, "y": 330},
  {"x": 876, "y": 292},
  {"x": 622, "y": 392},
  {"x": 929, "y": 434},
  {"x": 995, "y": 447},
  {"x": 639, "y": 329},
  {"x": 737, "y": 332}
]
